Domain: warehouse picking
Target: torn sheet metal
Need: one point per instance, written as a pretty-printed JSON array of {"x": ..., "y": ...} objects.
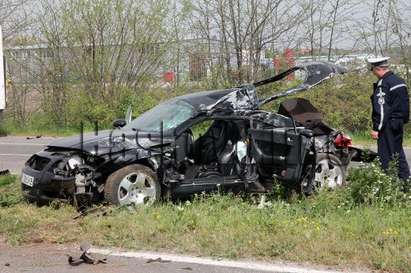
[
  {"x": 245, "y": 97},
  {"x": 241, "y": 98},
  {"x": 315, "y": 73}
]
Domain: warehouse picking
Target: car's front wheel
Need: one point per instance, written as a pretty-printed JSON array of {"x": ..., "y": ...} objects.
[{"x": 132, "y": 185}]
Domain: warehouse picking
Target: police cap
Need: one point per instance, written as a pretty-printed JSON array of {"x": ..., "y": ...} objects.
[{"x": 378, "y": 61}]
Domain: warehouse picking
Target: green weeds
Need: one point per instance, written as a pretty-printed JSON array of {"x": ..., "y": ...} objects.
[
  {"x": 9, "y": 191},
  {"x": 346, "y": 227},
  {"x": 370, "y": 185}
]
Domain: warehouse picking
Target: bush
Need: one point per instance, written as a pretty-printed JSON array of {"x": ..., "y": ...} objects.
[
  {"x": 368, "y": 186},
  {"x": 344, "y": 101},
  {"x": 371, "y": 185},
  {"x": 87, "y": 109},
  {"x": 3, "y": 130}
]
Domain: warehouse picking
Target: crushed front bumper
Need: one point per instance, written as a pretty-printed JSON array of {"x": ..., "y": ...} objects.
[{"x": 40, "y": 183}]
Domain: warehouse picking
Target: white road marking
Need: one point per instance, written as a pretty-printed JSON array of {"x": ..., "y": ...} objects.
[
  {"x": 257, "y": 266},
  {"x": 23, "y": 155},
  {"x": 22, "y": 144}
]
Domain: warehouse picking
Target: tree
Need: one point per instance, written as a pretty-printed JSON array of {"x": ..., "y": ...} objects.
[
  {"x": 245, "y": 29},
  {"x": 99, "y": 46},
  {"x": 13, "y": 17},
  {"x": 400, "y": 28}
]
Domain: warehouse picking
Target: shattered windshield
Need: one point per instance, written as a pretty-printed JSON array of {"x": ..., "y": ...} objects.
[{"x": 171, "y": 113}]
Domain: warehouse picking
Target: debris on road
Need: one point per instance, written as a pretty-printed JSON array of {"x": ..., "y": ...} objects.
[
  {"x": 85, "y": 257},
  {"x": 34, "y": 137},
  {"x": 83, "y": 213},
  {"x": 98, "y": 211},
  {"x": 158, "y": 260},
  {"x": 4, "y": 172}
]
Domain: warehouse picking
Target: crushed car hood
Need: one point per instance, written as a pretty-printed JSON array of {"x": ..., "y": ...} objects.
[
  {"x": 110, "y": 141},
  {"x": 74, "y": 142}
]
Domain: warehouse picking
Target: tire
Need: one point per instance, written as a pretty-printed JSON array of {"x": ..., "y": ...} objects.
[
  {"x": 132, "y": 185},
  {"x": 330, "y": 172}
]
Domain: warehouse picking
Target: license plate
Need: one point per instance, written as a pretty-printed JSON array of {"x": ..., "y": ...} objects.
[{"x": 27, "y": 180}]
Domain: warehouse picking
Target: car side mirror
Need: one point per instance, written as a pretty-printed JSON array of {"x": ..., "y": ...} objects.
[
  {"x": 119, "y": 123},
  {"x": 129, "y": 115}
]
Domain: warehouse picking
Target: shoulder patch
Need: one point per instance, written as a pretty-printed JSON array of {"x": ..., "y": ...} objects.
[{"x": 398, "y": 86}]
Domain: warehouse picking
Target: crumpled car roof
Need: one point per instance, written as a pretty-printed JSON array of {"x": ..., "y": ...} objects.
[
  {"x": 245, "y": 97},
  {"x": 202, "y": 99}
]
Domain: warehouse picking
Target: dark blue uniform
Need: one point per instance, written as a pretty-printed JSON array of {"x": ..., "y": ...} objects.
[{"x": 390, "y": 111}]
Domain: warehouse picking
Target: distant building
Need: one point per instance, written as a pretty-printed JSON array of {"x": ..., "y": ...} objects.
[{"x": 24, "y": 63}]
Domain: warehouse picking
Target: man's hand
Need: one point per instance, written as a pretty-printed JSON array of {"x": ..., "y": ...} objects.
[{"x": 374, "y": 134}]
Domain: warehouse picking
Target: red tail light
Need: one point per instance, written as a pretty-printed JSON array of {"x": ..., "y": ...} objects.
[{"x": 342, "y": 141}]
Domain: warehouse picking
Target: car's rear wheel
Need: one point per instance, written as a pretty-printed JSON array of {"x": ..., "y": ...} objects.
[
  {"x": 132, "y": 185},
  {"x": 329, "y": 172}
]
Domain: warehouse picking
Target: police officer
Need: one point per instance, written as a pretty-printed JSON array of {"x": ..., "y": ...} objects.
[{"x": 390, "y": 111}]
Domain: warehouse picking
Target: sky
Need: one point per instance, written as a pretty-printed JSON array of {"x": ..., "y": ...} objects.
[{"x": 353, "y": 20}]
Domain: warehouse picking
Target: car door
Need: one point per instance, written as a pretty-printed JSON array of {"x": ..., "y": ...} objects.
[{"x": 279, "y": 152}]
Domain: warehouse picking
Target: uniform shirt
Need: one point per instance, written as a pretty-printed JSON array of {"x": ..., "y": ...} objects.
[{"x": 389, "y": 101}]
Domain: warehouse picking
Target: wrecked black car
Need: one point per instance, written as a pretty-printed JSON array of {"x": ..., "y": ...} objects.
[{"x": 200, "y": 142}]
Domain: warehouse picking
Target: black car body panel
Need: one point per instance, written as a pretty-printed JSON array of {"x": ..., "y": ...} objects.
[
  {"x": 46, "y": 184},
  {"x": 245, "y": 147}
]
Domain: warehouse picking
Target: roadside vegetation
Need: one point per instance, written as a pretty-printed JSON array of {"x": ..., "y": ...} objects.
[
  {"x": 344, "y": 102},
  {"x": 365, "y": 225},
  {"x": 73, "y": 74}
]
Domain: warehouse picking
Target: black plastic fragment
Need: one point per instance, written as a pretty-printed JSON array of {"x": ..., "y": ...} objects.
[
  {"x": 4, "y": 172},
  {"x": 85, "y": 257}
]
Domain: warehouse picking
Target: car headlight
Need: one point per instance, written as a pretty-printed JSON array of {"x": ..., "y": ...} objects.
[{"x": 74, "y": 162}]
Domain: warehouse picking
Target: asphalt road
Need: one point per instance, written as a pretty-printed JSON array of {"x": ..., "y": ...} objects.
[
  {"x": 15, "y": 150},
  {"x": 52, "y": 258}
]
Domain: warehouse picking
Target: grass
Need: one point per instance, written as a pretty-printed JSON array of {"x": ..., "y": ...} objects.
[
  {"x": 42, "y": 132},
  {"x": 364, "y": 139},
  {"x": 324, "y": 229},
  {"x": 41, "y": 127},
  {"x": 10, "y": 129},
  {"x": 9, "y": 191}
]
